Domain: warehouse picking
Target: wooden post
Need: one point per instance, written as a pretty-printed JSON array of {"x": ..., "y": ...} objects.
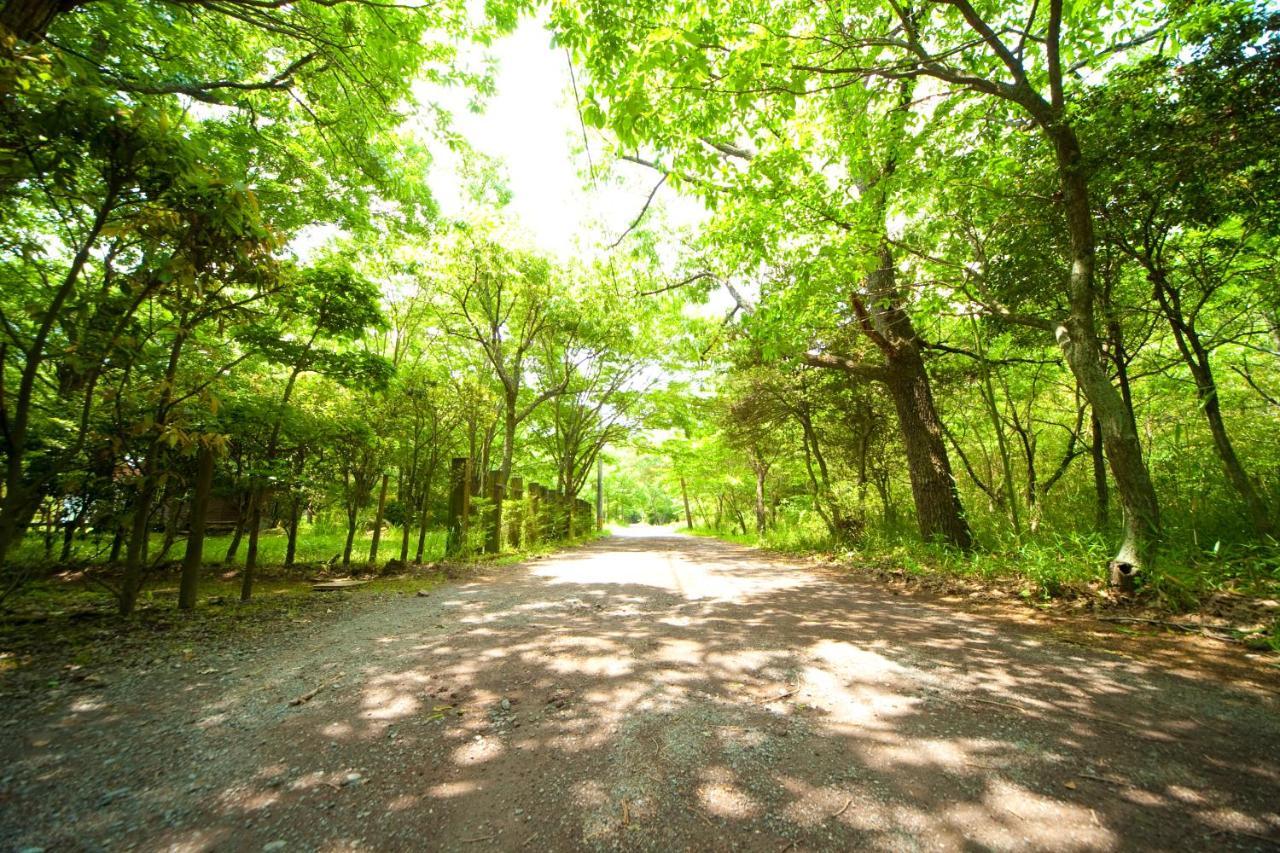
[
  {"x": 459, "y": 504},
  {"x": 493, "y": 534},
  {"x": 515, "y": 490}
]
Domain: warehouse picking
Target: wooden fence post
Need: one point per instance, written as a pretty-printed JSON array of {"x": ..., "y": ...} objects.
[
  {"x": 459, "y": 504},
  {"x": 495, "y": 493},
  {"x": 555, "y": 516},
  {"x": 538, "y": 507},
  {"x": 515, "y": 490}
]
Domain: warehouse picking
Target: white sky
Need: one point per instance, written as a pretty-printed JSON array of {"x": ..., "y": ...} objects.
[{"x": 531, "y": 125}]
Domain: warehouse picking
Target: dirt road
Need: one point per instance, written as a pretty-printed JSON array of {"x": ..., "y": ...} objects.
[{"x": 650, "y": 693}]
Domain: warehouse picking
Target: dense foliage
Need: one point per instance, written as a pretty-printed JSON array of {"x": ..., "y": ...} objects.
[
  {"x": 1014, "y": 261},
  {"x": 999, "y": 278}
]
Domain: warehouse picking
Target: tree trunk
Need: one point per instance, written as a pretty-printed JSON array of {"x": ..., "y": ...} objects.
[
  {"x": 684, "y": 493},
  {"x": 424, "y": 508},
  {"x": 496, "y": 481},
  {"x": 939, "y": 513},
  {"x": 1077, "y": 338},
  {"x": 1196, "y": 357},
  {"x": 988, "y": 393},
  {"x": 377, "y": 521},
  {"x": 117, "y": 543},
  {"x": 1101, "y": 494},
  {"x": 761, "y": 513},
  {"x": 291, "y": 532},
  {"x": 194, "y": 556},
  {"x": 251, "y": 555},
  {"x": 1142, "y": 530},
  {"x": 407, "y": 522},
  {"x": 135, "y": 552},
  {"x": 236, "y": 535},
  {"x": 20, "y": 497},
  {"x": 29, "y": 20},
  {"x": 351, "y": 537}
]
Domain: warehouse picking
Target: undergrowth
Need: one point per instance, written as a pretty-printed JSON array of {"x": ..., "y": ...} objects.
[{"x": 1045, "y": 566}]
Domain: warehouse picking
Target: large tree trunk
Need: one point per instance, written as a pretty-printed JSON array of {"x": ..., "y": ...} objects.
[
  {"x": 194, "y": 556},
  {"x": 29, "y": 20},
  {"x": 1078, "y": 340},
  {"x": 939, "y": 513}
]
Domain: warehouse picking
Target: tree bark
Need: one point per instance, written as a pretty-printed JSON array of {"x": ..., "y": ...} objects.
[
  {"x": 939, "y": 513},
  {"x": 29, "y": 20}
]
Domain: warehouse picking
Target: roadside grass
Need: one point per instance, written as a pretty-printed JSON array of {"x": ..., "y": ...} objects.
[
  {"x": 316, "y": 544},
  {"x": 1240, "y": 585},
  {"x": 68, "y": 615}
]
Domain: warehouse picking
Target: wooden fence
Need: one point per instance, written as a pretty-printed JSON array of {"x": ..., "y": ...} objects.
[{"x": 486, "y": 514}]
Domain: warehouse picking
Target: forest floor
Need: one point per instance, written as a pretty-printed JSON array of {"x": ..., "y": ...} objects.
[{"x": 652, "y": 692}]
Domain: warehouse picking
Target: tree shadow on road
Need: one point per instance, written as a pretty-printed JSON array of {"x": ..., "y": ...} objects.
[{"x": 614, "y": 697}]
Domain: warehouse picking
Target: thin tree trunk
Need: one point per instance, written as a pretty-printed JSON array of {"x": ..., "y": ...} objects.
[
  {"x": 988, "y": 393},
  {"x": 295, "y": 519},
  {"x": 684, "y": 492},
  {"x": 1196, "y": 356},
  {"x": 251, "y": 554},
  {"x": 194, "y": 556},
  {"x": 134, "y": 553},
  {"x": 236, "y": 535},
  {"x": 19, "y": 500},
  {"x": 406, "y": 504},
  {"x": 377, "y": 521},
  {"x": 1101, "y": 493},
  {"x": 257, "y": 491},
  {"x": 351, "y": 537},
  {"x": 761, "y": 516}
]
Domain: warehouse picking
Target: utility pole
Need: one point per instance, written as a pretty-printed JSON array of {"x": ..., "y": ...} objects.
[{"x": 599, "y": 493}]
